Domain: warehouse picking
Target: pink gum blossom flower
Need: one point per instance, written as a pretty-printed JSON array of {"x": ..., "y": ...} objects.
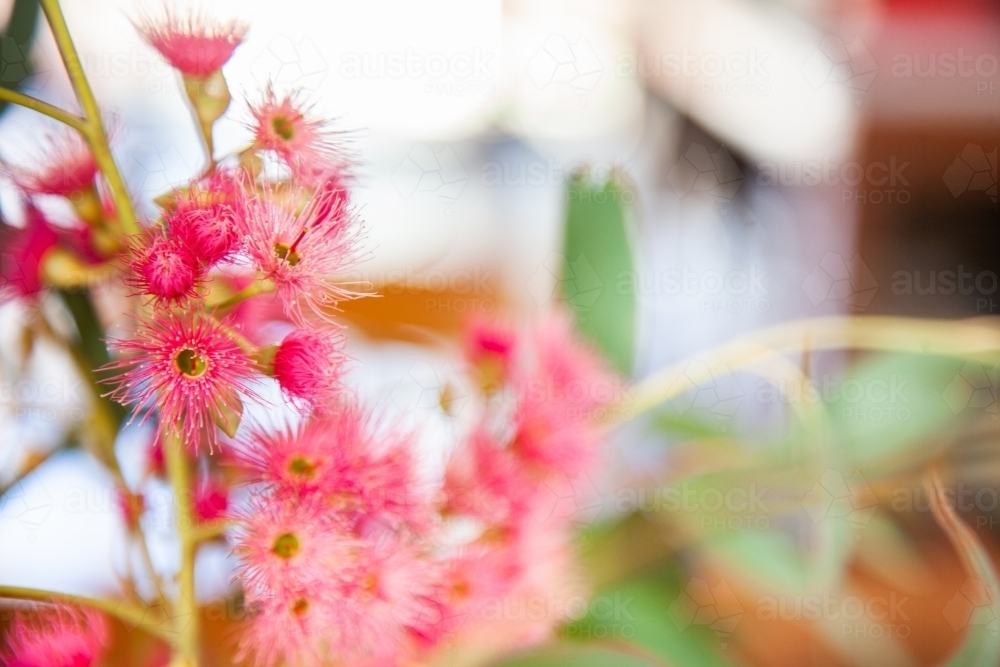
[
  {"x": 211, "y": 499},
  {"x": 290, "y": 628},
  {"x": 388, "y": 595},
  {"x": 55, "y": 637},
  {"x": 21, "y": 254},
  {"x": 65, "y": 167},
  {"x": 163, "y": 268},
  {"x": 569, "y": 370},
  {"x": 193, "y": 44},
  {"x": 203, "y": 219},
  {"x": 189, "y": 368},
  {"x": 487, "y": 481},
  {"x": 305, "y": 143},
  {"x": 309, "y": 365},
  {"x": 286, "y": 544},
  {"x": 302, "y": 249},
  {"x": 361, "y": 471}
]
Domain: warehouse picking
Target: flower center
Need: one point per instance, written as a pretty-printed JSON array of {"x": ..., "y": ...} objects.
[
  {"x": 287, "y": 253},
  {"x": 190, "y": 363},
  {"x": 283, "y": 128},
  {"x": 286, "y": 546},
  {"x": 302, "y": 467},
  {"x": 300, "y": 607}
]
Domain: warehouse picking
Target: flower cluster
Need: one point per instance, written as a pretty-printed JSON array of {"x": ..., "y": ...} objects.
[
  {"x": 351, "y": 551},
  {"x": 346, "y": 555}
]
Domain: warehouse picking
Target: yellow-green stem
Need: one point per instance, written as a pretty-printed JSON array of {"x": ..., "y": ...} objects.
[
  {"x": 258, "y": 286},
  {"x": 92, "y": 129},
  {"x": 971, "y": 339},
  {"x": 131, "y": 615},
  {"x": 35, "y": 104},
  {"x": 186, "y": 618}
]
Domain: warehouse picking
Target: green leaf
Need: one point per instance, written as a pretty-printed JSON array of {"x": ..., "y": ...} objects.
[
  {"x": 886, "y": 406},
  {"x": 577, "y": 656},
  {"x": 598, "y": 275},
  {"x": 15, "y": 45},
  {"x": 651, "y": 611}
]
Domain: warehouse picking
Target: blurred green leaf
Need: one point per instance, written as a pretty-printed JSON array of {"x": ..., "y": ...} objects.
[
  {"x": 577, "y": 656},
  {"x": 884, "y": 407},
  {"x": 597, "y": 275},
  {"x": 651, "y": 611},
  {"x": 15, "y": 45}
]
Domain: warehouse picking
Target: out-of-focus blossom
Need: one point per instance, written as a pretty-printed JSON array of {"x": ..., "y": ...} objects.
[
  {"x": 308, "y": 365},
  {"x": 303, "y": 141},
  {"x": 55, "y": 637},
  {"x": 65, "y": 167},
  {"x": 363, "y": 470},
  {"x": 131, "y": 506},
  {"x": 193, "y": 44},
  {"x": 286, "y": 544},
  {"x": 22, "y": 252},
  {"x": 211, "y": 499}
]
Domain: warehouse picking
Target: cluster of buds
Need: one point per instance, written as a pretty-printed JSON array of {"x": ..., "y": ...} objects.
[{"x": 347, "y": 552}]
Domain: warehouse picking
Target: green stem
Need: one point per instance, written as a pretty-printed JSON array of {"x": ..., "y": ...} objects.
[
  {"x": 92, "y": 348},
  {"x": 186, "y": 609},
  {"x": 132, "y": 615},
  {"x": 258, "y": 286},
  {"x": 966, "y": 339},
  {"x": 93, "y": 129},
  {"x": 41, "y": 107}
]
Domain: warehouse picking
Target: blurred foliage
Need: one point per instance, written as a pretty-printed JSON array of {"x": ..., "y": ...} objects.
[
  {"x": 597, "y": 256},
  {"x": 15, "y": 45}
]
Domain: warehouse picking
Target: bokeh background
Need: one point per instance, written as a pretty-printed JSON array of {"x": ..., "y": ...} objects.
[{"x": 783, "y": 159}]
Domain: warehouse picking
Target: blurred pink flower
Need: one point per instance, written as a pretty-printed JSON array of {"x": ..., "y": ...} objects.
[
  {"x": 304, "y": 142},
  {"x": 193, "y": 44},
  {"x": 21, "y": 257},
  {"x": 55, "y": 637},
  {"x": 64, "y": 167},
  {"x": 361, "y": 469},
  {"x": 308, "y": 365},
  {"x": 285, "y": 544},
  {"x": 211, "y": 499}
]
